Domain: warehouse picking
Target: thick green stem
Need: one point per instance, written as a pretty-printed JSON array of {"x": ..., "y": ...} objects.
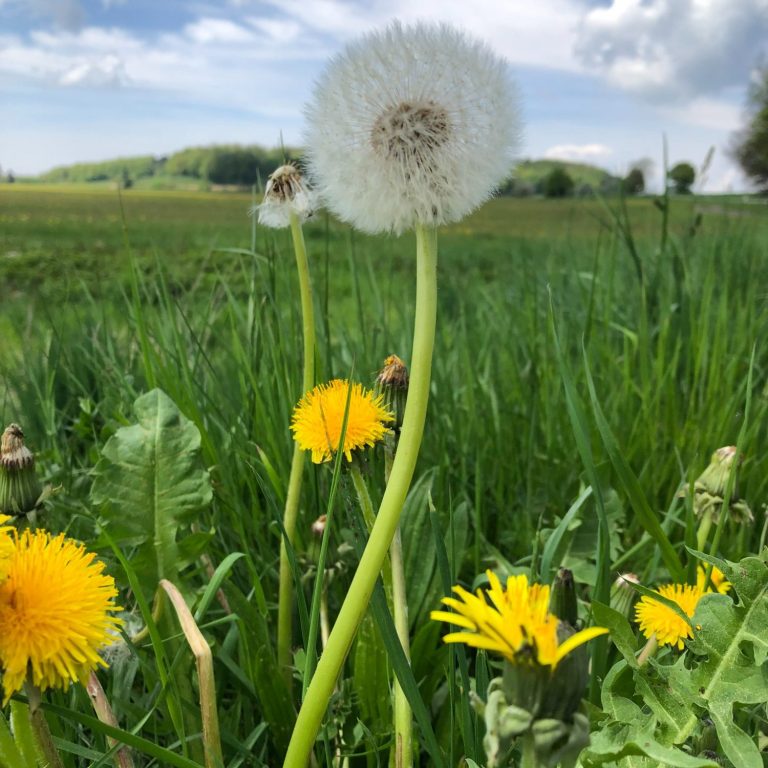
[
  {"x": 40, "y": 728},
  {"x": 528, "y": 758},
  {"x": 403, "y": 715},
  {"x": 356, "y": 602},
  {"x": 704, "y": 528},
  {"x": 286, "y": 588}
]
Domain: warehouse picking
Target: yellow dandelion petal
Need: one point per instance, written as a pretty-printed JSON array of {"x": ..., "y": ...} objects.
[
  {"x": 717, "y": 582},
  {"x": 319, "y": 417},
  {"x": 655, "y": 618},
  {"x": 55, "y": 609},
  {"x": 514, "y": 621}
]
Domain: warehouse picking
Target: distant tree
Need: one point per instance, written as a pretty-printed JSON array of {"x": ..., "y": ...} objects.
[
  {"x": 232, "y": 166},
  {"x": 682, "y": 177},
  {"x": 751, "y": 143},
  {"x": 9, "y": 177},
  {"x": 634, "y": 182},
  {"x": 558, "y": 183},
  {"x": 126, "y": 182}
]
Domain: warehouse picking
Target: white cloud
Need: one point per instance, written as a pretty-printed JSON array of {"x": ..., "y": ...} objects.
[
  {"x": 706, "y": 113},
  {"x": 208, "y": 30},
  {"x": 674, "y": 49},
  {"x": 531, "y": 33},
  {"x": 578, "y": 152},
  {"x": 105, "y": 72}
]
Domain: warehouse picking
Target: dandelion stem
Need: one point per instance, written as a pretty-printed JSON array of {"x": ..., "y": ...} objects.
[
  {"x": 528, "y": 757},
  {"x": 40, "y": 729},
  {"x": 356, "y": 602},
  {"x": 403, "y": 715},
  {"x": 285, "y": 594},
  {"x": 649, "y": 649}
]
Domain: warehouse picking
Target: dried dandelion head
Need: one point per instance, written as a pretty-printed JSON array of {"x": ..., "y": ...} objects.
[{"x": 286, "y": 194}]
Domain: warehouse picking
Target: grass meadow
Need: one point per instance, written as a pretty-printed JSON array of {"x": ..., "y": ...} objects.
[{"x": 661, "y": 305}]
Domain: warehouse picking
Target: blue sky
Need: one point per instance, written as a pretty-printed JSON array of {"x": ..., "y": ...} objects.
[{"x": 600, "y": 80}]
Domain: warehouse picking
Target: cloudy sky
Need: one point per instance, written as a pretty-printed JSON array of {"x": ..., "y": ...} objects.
[{"x": 600, "y": 80}]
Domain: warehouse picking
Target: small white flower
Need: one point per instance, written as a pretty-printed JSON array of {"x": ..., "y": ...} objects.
[
  {"x": 286, "y": 194},
  {"x": 412, "y": 124}
]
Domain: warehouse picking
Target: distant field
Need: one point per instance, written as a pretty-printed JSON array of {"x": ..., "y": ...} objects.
[{"x": 54, "y": 238}]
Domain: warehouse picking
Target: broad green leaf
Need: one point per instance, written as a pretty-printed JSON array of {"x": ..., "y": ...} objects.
[
  {"x": 630, "y": 746},
  {"x": 621, "y": 633},
  {"x": 150, "y": 485}
]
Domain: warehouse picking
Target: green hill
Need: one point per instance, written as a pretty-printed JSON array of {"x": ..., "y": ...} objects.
[
  {"x": 529, "y": 175},
  {"x": 230, "y": 164},
  {"x": 243, "y": 166}
]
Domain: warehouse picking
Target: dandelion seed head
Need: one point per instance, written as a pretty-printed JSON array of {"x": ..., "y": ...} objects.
[{"x": 411, "y": 124}]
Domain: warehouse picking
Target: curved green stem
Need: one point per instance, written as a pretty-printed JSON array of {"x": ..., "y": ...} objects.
[
  {"x": 285, "y": 594},
  {"x": 356, "y": 602}
]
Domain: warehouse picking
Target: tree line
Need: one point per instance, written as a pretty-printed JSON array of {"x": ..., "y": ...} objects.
[{"x": 230, "y": 164}]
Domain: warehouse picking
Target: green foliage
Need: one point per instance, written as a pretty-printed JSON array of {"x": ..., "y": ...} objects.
[
  {"x": 723, "y": 673},
  {"x": 682, "y": 177},
  {"x": 151, "y": 487},
  {"x": 116, "y": 170},
  {"x": 218, "y": 164},
  {"x": 634, "y": 182},
  {"x": 195, "y": 299},
  {"x": 751, "y": 143},
  {"x": 558, "y": 183}
]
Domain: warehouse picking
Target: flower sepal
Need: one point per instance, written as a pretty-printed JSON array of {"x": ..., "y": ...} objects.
[{"x": 555, "y": 740}]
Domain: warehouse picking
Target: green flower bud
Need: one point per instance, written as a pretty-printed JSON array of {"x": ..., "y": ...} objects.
[
  {"x": 709, "y": 488},
  {"x": 623, "y": 594},
  {"x": 392, "y": 382},
  {"x": 563, "y": 600},
  {"x": 20, "y": 489}
]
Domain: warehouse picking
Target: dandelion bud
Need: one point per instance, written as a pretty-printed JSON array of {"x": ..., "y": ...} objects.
[
  {"x": 19, "y": 487},
  {"x": 563, "y": 601},
  {"x": 392, "y": 384},
  {"x": 623, "y": 594},
  {"x": 709, "y": 488},
  {"x": 286, "y": 194}
]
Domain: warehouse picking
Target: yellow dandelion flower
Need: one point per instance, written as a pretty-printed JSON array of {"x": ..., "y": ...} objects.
[
  {"x": 318, "y": 419},
  {"x": 514, "y": 622},
  {"x": 6, "y": 546},
  {"x": 717, "y": 580},
  {"x": 655, "y": 618},
  {"x": 54, "y": 613}
]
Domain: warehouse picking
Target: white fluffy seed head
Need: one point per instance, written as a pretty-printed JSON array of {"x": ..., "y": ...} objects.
[
  {"x": 286, "y": 193},
  {"x": 412, "y": 124}
]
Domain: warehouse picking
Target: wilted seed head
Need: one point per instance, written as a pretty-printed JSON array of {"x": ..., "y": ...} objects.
[
  {"x": 286, "y": 194},
  {"x": 392, "y": 383},
  {"x": 318, "y": 526},
  {"x": 13, "y": 453},
  {"x": 19, "y": 487}
]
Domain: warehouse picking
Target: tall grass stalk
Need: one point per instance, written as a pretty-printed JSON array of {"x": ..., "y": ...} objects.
[{"x": 293, "y": 498}]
